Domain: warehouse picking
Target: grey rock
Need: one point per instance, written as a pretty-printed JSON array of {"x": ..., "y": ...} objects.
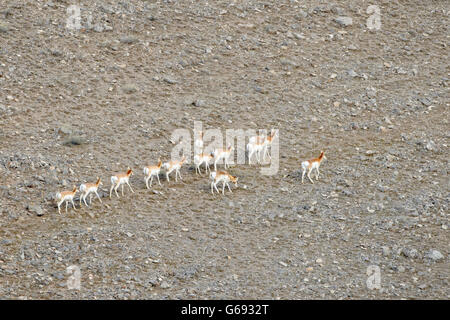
[
  {"x": 344, "y": 21},
  {"x": 34, "y": 208},
  {"x": 170, "y": 80},
  {"x": 386, "y": 251},
  {"x": 6, "y": 242},
  {"x": 3, "y": 28},
  {"x": 410, "y": 253},
  {"x": 301, "y": 14},
  {"x": 434, "y": 255},
  {"x": 352, "y": 73},
  {"x": 425, "y": 101},
  {"x": 430, "y": 146},
  {"x": 199, "y": 103},
  {"x": 128, "y": 39},
  {"x": 165, "y": 285}
]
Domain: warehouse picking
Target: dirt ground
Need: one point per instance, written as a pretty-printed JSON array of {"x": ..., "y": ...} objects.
[{"x": 77, "y": 104}]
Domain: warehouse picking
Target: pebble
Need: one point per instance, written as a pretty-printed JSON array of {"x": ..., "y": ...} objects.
[
  {"x": 410, "y": 253},
  {"x": 34, "y": 208},
  {"x": 344, "y": 21},
  {"x": 434, "y": 255}
]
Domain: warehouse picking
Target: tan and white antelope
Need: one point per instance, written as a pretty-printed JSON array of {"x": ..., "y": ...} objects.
[
  {"x": 261, "y": 143},
  {"x": 220, "y": 154},
  {"x": 151, "y": 171},
  {"x": 198, "y": 143},
  {"x": 174, "y": 165},
  {"x": 119, "y": 180},
  {"x": 66, "y": 196},
  {"x": 88, "y": 188},
  {"x": 255, "y": 147},
  {"x": 201, "y": 158},
  {"x": 268, "y": 143},
  {"x": 312, "y": 164},
  {"x": 224, "y": 177}
]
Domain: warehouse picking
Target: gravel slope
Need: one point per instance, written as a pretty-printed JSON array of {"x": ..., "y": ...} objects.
[{"x": 79, "y": 104}]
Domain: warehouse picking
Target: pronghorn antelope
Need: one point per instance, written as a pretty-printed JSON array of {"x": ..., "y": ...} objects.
[
  {"x": 198, "y": 143},
  {"x": 87, "y": 188},
  {"x": 266, "y": 141},
  {"x": 152, "y": 171},
  {"x": 312, "y": 164},
  {"x": 66, "y": 196},
  {"x": 174, "y": 165},
  {"x": 256, "y": 147},
  {"x": 224, "y": 177},
  {"x": 220, "y": 154},
  {"x": 119, "y": 180},
  {"x": 201, "y": 158}
]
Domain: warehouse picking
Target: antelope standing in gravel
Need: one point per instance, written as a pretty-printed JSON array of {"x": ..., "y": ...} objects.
[
  {"x": 312, "y": 164},
  {"x": 151, "y": 171},
  {"x": 66, "y": 196},
  {"x": 220, "y": 154},
  {"x": 255, "y": 147},
  {"x": 198, "y": 143},
  {"x": 174, "y": 165},
  {"x": 119, "y": 180},
  {"x": 201, "y": 158},
  {"x": 266, "y": 142},
  {"x": 89, "y": 188},
  {"x": 224, "y": 177}
]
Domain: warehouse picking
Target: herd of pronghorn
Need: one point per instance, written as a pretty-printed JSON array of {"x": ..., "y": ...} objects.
[{"x": 256, "y": 146}]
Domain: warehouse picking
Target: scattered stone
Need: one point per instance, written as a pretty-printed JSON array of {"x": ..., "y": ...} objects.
[
  {"x": 129, "y": 88},
  {"x": 430, "y": 146},
  {"x": 74, "y": 140},
  {"x": 352, "y": 73},
  {"x": 128, "y": 39},
  {"x": 284, "y": 264},
  {"x": 344, "y": 21},
  {"x": 301, "y": 14},
  {"x": 199, "y": 103},
  {"x": 3, "y": 28},
  {"x": 386, "y": 251},
  {"x": 434, "y": 255},
  {"x": 410, "y": 253},
  {"x": 170, "y": 80},
  {"x": 425, "y": 101},
  {"x": 34, "y": 208},
  {"x": 65, "y": 129}
]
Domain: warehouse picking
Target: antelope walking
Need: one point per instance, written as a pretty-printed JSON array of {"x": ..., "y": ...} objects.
[
  {"x": 88, "y": 188},
  {"x": 201, "y": 158},
  {"x": 220, "y": 154},
  {"x": 225, "y": 178},
  {"x": 152, "y": 171},
  {"x": 312, "y": 164},
  {"x": 198, "y": 143},
  {"x": 174, "y": 165},
  {"x": 261, "y": 143},
  {"x": 119, "y": 180},
  {"x": 66, "y": 196}
]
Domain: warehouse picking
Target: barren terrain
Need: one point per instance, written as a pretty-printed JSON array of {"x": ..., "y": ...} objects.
[{"x": 77, "y": 104}]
